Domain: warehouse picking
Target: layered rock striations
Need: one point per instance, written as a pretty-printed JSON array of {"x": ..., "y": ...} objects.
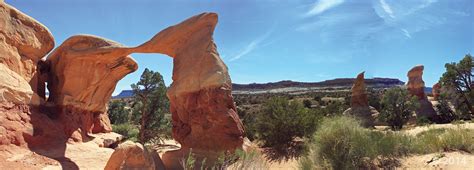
[
  {"x": 359, "y": 103},
  {"x": 83, "y": 72},
  {"x": 81, "y": 75},
  {"x": 23, "y": 42},
  {"x": 416, "y": 87}
]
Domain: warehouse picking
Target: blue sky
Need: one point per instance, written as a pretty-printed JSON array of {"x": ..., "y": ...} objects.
[{"x": 270, "y": 40}]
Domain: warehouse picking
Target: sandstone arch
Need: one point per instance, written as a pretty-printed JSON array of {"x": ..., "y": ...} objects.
[{"x": 82, "y": 72}]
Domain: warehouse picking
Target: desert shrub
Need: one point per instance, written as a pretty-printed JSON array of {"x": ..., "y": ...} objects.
[
  {"x": 317, "y": 98},
  {"x": 423, "y": 120},
  {"x": 374, "y": 97},
  {"x": 334, "y": 108},
  {"x": 307, "y": 103},
  {"x": 445, "y": 113},
  {"x": 436, "y": 140},
  {"x": 117, "y": 112},
  {"x": 282, "y": 122},
  {"x": 249, "y": 122},
  {"x": 341, "y": 143},
  {"x": 248, "y": 160},
  {"x": 458, "y": 139},
  {"x": 397, "y": 106},
  {"x": 127, "y": 130}
]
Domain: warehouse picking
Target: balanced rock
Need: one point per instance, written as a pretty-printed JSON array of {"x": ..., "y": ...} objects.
[
  {"x": 83, "y": 72},
  {"x": 130, "y": 155},
  {"x": 23, "y": 42},
  {"x": 436, "y": 91},
  {"x": 359, "y": 103},
  {"x": 416, "y": 87}
]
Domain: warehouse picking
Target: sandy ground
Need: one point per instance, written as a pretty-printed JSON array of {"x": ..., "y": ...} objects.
[
  {"x": 446, "y": 160},
  {"x": 75, "y": 156},
  {"x": 90, "y": 156}
]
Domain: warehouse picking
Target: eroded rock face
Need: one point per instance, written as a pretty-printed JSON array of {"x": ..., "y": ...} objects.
[
  {"x": 82, "y": 76},
  {"x": 416, "y": 87},
  {"x": 23, "y": 42},
  {"x": 13, "y": 87},
  {"x": 359, "y": 103},
  {"x": 130, "y": 155},
  {"x": 203, "y": 111},
  {"x": 359, "y": 92}
]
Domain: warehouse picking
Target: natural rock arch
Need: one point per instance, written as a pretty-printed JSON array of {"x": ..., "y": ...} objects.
[{"x": 83, "y": 71}]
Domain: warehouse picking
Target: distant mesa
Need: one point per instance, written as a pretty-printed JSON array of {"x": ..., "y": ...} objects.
[{"x": 340, "y": 82}]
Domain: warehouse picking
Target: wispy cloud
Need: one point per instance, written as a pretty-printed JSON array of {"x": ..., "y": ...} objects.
[
  {"x": 387, "y": 8},
  {"x": 323, "y": 5},
  {"x": 252, "y": 45},
  {"x": 406, "y": 33}
]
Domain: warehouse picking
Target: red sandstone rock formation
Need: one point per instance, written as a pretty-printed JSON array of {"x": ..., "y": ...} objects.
[
  {"x": 203, "y": 111},
  {"x": 23, "y": 42},
  {"x": 359, "y": 92},
  {"x": 131, "y": 155},
  {"x": 82, "y": 76},
  {"x": 83, "y": 71},
  {"x": 436, "y": 91},
  {"x": 360, "y": 104},
  {"x": 416, "y": 87}
]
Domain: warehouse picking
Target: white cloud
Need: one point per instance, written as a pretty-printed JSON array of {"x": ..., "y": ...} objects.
[
  {"x": 387, "y": 8},
  {"x": 323, "y": 5},
  {"x": 406, "y": 33},
  {"x": 251, "y": 46}
]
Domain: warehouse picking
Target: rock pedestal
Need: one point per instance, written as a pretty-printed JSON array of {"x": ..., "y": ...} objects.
[
  {"x": 416, "y": 87},
  {"x": 359, "y": 103}
]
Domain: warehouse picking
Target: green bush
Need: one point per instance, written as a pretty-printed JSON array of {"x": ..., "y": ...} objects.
[
  {"x": 307, "y": 103},
  {"x": 436, "y": 140},
  {"x": 397, "y": 106},
  {"x": 282, "y": 122},
  {"x": 423, "y": 120},
  {"x": 129, "y": 131},
  {"x": 341, "y": 143}
]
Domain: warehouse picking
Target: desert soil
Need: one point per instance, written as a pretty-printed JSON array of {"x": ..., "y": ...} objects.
[{"x": 90, "y": 156}]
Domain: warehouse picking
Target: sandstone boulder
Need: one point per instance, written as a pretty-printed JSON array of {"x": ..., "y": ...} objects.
[
  {"x": 130, "y": 155},
  {"x": 23, "y": 42},
  {"x": 416, "y": 87},
  {"x": 83, "y": 72}
]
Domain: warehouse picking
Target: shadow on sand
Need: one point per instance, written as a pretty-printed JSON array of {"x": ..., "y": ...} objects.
[{"x": 48, "y": 138}]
